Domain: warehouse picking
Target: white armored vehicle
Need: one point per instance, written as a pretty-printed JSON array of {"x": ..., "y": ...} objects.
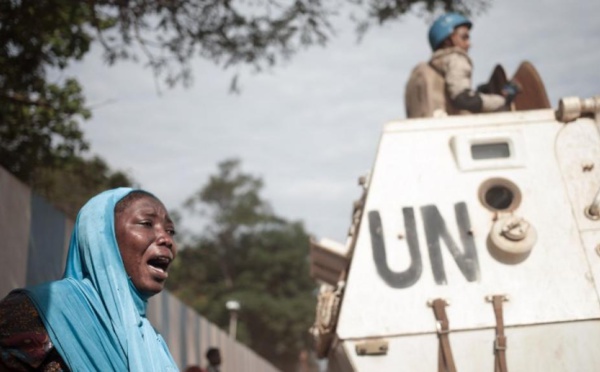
[{"x": 475, "y": 247}]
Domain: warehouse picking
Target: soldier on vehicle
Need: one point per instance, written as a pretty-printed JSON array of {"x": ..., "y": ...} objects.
[{"x": 449, "y": 37}]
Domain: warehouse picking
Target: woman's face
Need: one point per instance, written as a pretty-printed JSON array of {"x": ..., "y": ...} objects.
[{"x": 144, "y": 234}]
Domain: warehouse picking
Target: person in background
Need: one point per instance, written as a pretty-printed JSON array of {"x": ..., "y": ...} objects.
[
  {"x": 94, "y": 319},
  {"x": 214, "y": 360},
  {"x": 450, "y": 40}
]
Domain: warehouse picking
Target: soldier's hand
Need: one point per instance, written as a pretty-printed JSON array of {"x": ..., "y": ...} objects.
[{"x": 510, "y": 91}]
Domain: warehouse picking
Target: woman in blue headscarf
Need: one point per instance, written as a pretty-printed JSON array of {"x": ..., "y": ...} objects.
[{"x": 94, "y": 319}]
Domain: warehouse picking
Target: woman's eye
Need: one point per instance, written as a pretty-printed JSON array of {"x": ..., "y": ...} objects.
[
  {"x": 171, "y": 232},
  {"x": 146, "y": 223}
]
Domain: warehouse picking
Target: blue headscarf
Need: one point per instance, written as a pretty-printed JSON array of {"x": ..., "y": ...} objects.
[{"x": 95, "y": 317}]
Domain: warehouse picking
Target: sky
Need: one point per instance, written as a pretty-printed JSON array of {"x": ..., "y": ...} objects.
[{"x": 310, "y": 127}]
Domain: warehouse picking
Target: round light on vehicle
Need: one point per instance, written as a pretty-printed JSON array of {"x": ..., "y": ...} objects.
[{"x": 499, "y": 195}]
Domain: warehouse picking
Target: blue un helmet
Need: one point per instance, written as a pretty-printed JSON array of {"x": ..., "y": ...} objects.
[{"x": 444, "y": 26}]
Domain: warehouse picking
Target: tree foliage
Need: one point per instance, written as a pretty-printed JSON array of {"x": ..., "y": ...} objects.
[
  {"x": 40, "y": 119},
  {"x": 72, "y": 183},
  {"x": 41, "y": 131},
  {"x": 41, "y": 141},
  {"x": 249, "y": 254}
]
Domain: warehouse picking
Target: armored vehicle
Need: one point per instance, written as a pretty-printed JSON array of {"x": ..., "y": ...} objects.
[{"x": 474, "y": 247}]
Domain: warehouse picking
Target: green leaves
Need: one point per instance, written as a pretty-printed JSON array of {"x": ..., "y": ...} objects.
[
  {"x": 72, "y": 181},
  {"x": 231, "y": 199},
  {"x": 39, "y": 120},
  {"x": 39, "y": 127},
  {"x": 41, "y": 141},
  {"x": 249, "y": 254}
]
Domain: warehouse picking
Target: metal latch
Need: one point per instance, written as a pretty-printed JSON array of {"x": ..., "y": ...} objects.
[{"x": 372, "y": 347}]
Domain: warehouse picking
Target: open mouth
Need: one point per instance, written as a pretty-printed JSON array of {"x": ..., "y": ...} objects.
[{"x": 160, "y": 263}]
